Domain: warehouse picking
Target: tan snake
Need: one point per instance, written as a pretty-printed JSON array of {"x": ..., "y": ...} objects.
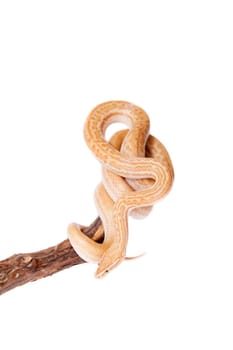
[{"x": 136, "y": 172}]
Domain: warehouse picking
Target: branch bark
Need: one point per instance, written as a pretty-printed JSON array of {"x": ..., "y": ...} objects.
[{"x": 20, "y": 269}]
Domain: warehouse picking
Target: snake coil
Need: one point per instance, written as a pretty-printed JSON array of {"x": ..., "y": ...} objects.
[{"x": 136, "y": 172}]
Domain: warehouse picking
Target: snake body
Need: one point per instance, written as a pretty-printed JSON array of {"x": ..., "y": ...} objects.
[{"x": 137, "y": 172}]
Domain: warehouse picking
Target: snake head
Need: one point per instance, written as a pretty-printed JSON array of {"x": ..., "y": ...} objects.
[{"x": 108, "y": 263}]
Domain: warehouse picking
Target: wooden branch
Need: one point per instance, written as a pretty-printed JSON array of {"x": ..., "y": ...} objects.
[{"x": 23, "y": 268}]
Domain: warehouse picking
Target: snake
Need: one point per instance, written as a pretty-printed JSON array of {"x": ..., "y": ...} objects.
[{"x": 136, "y": 172}]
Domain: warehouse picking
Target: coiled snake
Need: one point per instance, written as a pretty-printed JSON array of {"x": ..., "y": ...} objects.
[{"x": 136, "y": 172}]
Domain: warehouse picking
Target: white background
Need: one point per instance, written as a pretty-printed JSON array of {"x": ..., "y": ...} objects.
[{"x": 58, "y": 60}]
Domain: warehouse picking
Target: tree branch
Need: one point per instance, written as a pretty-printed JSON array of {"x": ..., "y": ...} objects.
[{"x": 20, "y": 269}]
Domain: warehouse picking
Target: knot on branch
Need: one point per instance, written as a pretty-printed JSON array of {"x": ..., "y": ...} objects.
[{"x": 3, "y": 277}]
